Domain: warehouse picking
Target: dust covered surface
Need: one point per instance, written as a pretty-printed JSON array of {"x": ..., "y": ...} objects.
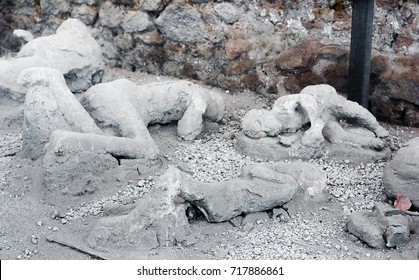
[{"x": 317, "y": 231}]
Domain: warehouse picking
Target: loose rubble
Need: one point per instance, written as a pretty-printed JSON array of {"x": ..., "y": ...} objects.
[
  {"x": 378, "y": 229},
  {"x": 306, "y": 235},
  {"x": 318, "y": 232},
  {"x": 127, "y": 195},
  {"x": 211, "y": 159},
  {"x": 265, "y": 46},
  {"x": 10, "y": 144}
]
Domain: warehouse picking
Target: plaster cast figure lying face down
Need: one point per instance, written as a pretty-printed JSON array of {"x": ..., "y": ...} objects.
[
  {"x": 126, "y": 109},
  {"x": 61, "y": 131},
  {"x": 120, "y": 108}
]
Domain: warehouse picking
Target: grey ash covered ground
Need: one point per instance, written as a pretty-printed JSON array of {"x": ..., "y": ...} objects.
[{"x": 306, "y": 232}]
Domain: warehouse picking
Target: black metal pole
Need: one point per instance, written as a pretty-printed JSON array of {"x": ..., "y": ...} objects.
[{"x": 360, "y": 53}]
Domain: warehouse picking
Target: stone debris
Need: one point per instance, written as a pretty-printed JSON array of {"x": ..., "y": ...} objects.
[
  {"x": 34, "y": 239},
  {"x": 111, "y": 15},
  {"x": 236, "y": 221},
  {"x": 211, "y": 159},
  {"x": 185, "y": 16},
  {"x": 228, "y": 12},
  {"x": 113, "y": 205},
  {"x": 360, "y": 185},
  {"x": 95, "y": 137},
  {"x": 304, "y": 236},
  {"x": 280, "y": 47},
  {"x": 255, "y": 218},
  {"x": 10, "y": 144},
  {"x": 379, "y": 230},
  {"x": 257, "y": 251},
  {"x": 281, "y": 214},
  {"x": 137, "y": 21},
  {"x": 299, "y": 239}
]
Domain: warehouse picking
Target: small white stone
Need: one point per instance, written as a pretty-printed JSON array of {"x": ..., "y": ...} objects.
[
  {"x": 34, "y": 240},
  {"x": 257, "y": 251}
]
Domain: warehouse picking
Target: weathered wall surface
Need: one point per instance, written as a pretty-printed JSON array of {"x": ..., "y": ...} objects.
[{"x": 260, "y": 45}]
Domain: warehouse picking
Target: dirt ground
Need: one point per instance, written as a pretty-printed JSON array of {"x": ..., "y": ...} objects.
[{"x": 29, "y": 221}]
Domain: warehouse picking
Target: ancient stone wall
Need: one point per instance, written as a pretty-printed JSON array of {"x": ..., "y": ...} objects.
[{"x": 260, "y": 45}]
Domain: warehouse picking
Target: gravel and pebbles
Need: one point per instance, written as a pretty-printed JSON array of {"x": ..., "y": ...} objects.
[
  {"x": 127, "y": 195},
  {"x": 212, "y": 158},
  {"x": 10, "y": 144},
  {"x": 317, "y": 234},
  {"x": 314, "y": 235}
]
